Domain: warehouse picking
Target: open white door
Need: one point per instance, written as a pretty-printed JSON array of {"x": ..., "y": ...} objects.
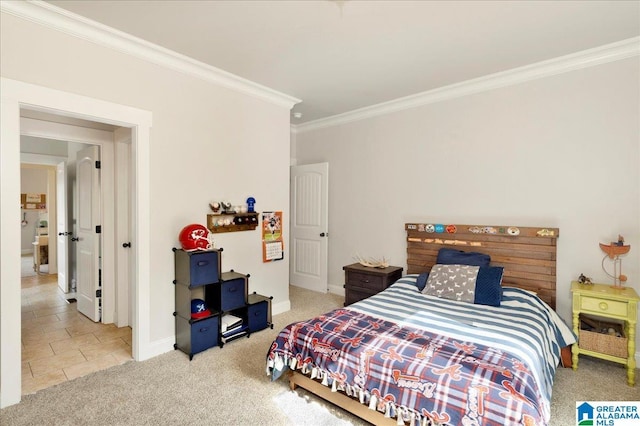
[
  {"x": 62, "y": 227},
  {"x": 309, "y": 226},
  {"x": 87, "y": 238}
]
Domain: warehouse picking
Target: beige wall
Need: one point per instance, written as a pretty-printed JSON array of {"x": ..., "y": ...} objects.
[
  {"x": 207, "y": 143},
  {"x": 562, "y": 151}
]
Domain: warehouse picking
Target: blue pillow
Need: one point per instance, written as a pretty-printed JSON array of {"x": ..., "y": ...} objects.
[
  {"x": 458, "y": 257},
  {"x": 489, "y": 286},
  {"x": 421, "y": 281}
]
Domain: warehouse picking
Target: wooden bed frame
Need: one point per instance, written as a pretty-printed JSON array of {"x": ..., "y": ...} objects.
[{"x": 528, "y": 255}]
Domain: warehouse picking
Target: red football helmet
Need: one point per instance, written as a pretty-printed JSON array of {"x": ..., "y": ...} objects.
[{"x": 195, "y": 237}]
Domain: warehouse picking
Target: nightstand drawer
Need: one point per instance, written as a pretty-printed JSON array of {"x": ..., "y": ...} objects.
[
  {"x": 370, "y": 282},
  {"x": 353, "y": 294},
  {"x": 610, "y": 307}
]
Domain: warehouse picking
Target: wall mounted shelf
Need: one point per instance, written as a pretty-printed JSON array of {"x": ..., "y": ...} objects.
[{"x": 239, "y": 222}]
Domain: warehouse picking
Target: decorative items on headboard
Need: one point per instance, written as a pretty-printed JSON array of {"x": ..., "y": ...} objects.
[{"x": 528, "y": 254}]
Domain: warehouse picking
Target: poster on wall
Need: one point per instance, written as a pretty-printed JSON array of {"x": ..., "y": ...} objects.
[{"x": 272, "y": 241}]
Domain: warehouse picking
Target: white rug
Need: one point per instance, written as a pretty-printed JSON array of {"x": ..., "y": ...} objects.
[{"x": 306, "y": 412}]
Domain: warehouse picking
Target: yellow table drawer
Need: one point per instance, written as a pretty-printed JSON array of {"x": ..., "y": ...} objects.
[{"x": 610, "y": 307}]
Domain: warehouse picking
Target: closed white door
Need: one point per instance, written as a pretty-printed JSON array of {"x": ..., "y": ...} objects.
[
  {"x": 309, "y": 226},
  {"x": 62, "y": 227},
  {"x": 87, "y": 238}
]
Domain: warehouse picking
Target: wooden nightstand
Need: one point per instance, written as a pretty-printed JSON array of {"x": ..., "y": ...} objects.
[
  {"x": 364, "y": 281},
  {"x": 605, "y": 301}
]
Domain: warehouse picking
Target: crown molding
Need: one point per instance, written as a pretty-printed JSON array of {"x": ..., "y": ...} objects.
[
  {"x": 587, "y": 58},
  {"x": 59, "y": 19}
]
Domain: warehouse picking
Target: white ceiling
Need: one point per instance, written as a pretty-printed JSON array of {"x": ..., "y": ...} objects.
[{"x": 342, "y": 55}]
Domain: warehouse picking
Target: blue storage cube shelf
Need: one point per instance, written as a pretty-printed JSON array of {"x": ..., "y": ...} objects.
[{"x": 198, "y": 276}]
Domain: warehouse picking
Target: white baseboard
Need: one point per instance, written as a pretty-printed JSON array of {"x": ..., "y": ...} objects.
[
  {"x": 281, "y": 307},
  {"x": 156, "y": 348},
  {"x": 336, "y": 289}
]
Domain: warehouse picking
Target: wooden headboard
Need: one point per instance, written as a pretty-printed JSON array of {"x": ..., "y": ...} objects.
[{"x": 527, "y": 254}]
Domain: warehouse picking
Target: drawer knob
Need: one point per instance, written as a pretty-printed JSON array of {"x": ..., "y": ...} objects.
[
  {"x": 603, "y": 306},
  {"x": 364, "y": 281}
]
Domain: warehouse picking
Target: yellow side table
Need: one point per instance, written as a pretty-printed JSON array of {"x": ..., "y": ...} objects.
[{"x": 608, "y": 302}]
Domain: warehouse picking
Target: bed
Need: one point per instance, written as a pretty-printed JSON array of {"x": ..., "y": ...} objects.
[{"x": 422, "y": 352}]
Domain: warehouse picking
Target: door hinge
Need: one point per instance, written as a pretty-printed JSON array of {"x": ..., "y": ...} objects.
[
  {"x": 97, "y": 164},
  {"x": 99, "y": 293},
  {"x": 98, "y": 229}
]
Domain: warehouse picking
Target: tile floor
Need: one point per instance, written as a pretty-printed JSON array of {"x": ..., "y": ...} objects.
[{"x": 59, "y": 343}]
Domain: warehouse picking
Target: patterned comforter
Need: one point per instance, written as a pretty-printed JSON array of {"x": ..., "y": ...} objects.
[{"x": 425, "y": 360}]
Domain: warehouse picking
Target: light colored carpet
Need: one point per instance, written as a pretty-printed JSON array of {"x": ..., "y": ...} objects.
[{"x": 229, "y": 386}]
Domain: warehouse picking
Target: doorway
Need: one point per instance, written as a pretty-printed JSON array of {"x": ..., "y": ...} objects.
[
  {"x": 44, "y": 134},
  {"x": 58, "y": 342},
  {"x": 14, "y": 96}
]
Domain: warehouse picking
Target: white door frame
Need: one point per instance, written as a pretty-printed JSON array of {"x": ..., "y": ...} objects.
[{"x": 13, "y": 96}]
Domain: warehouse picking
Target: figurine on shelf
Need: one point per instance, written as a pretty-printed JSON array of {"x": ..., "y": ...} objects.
[
  {"x": 226, "y": 208},
  {"x": 215, "y": 207},
  {"x": 251, "y": 204},
  {"x": 584, "y": 280}
]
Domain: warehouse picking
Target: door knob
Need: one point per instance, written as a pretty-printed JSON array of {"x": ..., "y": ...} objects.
[
  {"x": 60, "y": 234},
  {"x": 75, "y": 239},
  {"x": 126, "y": 245},
  {"x": 324, "y": 234}
]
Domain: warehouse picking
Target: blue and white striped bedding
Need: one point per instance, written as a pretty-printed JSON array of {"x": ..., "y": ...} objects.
[
  {"x": 522, "y": 324},
  {"x": 377, "y": 350}
]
